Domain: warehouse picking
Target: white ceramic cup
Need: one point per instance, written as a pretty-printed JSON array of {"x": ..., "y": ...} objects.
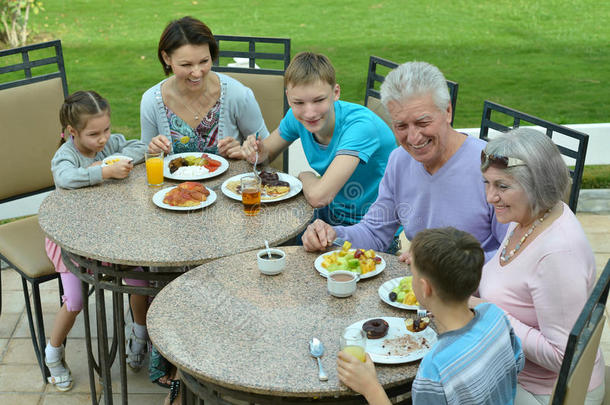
[
  {"x": 342, "y": 283},
  {"x": 272, "y": 266}
]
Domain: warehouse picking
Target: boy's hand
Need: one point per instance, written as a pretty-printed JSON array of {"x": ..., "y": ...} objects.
[
  {"x": 250, "y": 147},
  {"x": 229, "y": 147},
  {"x": 117, "y": 170},
  {"x": 318, "y": 236},
  {"x": 359, "y": 376},
  {"x": 405, "y": 257},
  {"x": 159, "y": 143}
]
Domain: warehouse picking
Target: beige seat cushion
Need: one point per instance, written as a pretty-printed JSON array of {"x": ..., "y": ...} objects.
[
  {"x": 269, "y": 93},
  {"x": 22, "y": 243},
  {"x": 30, "y": 132}
]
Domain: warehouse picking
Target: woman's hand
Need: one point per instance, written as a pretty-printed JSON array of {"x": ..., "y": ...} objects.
[
  {"x": 318, "y": 236},
  {"x": 117, "y": 170},
  {"x": 159, "y": 143},
  {"x": 230, "y": 147},
  {"x": 359, "y": 376},
  {"x": 250, "y": 147},
  {"x": 405, "y": 257}
]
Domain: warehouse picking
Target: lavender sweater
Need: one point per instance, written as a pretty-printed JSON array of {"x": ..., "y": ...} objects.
[{"x": 409, "y": 195}]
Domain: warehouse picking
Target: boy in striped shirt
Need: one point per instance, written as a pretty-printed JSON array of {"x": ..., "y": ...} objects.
[{"x": 477, "y": 356}]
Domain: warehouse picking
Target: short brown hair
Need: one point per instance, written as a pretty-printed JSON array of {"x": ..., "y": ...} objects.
[
  {"x": 185, "y": 31},
  {"x": 452, "y": 260},
  {"x": 309, "y": 67}
]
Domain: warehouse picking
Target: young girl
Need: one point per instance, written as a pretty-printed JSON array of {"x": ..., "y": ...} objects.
[{"x": 86, "y": 141}]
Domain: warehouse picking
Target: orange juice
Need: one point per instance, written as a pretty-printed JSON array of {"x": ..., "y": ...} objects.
[
  {"x": 356, "y": 351},
  {"x": 154, "y": 171}
]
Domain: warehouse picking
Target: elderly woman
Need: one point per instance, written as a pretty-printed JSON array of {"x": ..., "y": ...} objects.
[
  {"x": 433, "y": 180},
  {"x": 195, "y": 109},
  {"x": 545, "y": 270}
]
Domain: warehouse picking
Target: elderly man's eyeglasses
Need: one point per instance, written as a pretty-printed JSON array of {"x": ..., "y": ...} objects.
[{"x": 503, "y": 161}]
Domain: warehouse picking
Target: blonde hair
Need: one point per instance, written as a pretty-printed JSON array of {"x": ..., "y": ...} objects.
[{"x": 309, "y": 67}]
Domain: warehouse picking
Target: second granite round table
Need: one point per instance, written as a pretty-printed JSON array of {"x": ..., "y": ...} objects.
[{"x": 234, "y": 329}]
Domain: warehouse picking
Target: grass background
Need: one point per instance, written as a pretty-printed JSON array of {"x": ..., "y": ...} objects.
[{"x": 550, "y": 58}]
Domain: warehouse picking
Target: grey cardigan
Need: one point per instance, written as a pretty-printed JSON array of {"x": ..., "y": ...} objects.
[{"x": 240, "y": 114}]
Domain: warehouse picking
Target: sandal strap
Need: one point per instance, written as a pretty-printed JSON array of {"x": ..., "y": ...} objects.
[
  {"x": 60, "y": 378},
  {"x": 174, "y": 390}
]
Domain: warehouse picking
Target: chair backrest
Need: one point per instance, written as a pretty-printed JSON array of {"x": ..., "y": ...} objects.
[
  {"x": 571, "y": 143},
  {"x": 33, "y": 87},
  {"x": 266, "y": 83},
  {"x": 378, "y": 70},
  {"x": 583, "y": 343}
]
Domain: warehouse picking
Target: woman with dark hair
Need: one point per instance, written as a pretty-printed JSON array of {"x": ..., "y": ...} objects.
[
  {"x": 195, "y": 109},
  {"x": 544, "y": 271}
]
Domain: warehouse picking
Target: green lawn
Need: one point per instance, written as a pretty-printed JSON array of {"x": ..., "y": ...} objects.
[{"x": 548, "y": 58}]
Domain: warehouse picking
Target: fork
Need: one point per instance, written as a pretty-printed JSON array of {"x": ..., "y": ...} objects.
[{"x": 256, "y": 158}]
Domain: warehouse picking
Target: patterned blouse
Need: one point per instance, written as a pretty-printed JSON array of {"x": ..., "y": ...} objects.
[{"x": 204, "y": 138}]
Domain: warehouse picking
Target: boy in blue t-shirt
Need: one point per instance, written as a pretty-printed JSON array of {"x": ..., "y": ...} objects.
[
  {"x": 346, "y": 143},
  {"x": 477, "y": 356}
]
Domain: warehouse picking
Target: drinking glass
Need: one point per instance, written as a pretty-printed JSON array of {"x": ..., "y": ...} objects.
[
  {"x": 353, "y": 341},
  {"x": 251, "y": 194},
  {"x": 154, "y": 169}
]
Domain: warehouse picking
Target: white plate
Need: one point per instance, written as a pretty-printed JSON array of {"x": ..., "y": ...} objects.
[
  {"x": 318, "y": 265},
  {"x": 384, "y": 292},
  {"x": 112, "y": 157},
  {"x": 295, "y": 187},
  {"x": 224, "y": 166},
  {"x": 396, "y": 329},
  {"x": 159, "y": 195}
]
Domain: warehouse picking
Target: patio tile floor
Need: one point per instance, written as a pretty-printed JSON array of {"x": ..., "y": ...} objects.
[{"x": 20, "y": 378}]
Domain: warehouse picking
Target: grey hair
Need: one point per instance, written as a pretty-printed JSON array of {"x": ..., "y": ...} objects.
[
  {"x": 544, "y": 177},
  {"x": 415, "y": 79}
]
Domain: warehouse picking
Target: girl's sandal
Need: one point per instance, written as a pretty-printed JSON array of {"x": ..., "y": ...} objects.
[{"x": 63, "y": 380}]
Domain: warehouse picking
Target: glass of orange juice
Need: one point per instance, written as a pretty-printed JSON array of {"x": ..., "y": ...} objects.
[
  {"x": 353, "y": 341},
  {"x": 154, "y": 169},
  {"x": 251, "y": 194}
]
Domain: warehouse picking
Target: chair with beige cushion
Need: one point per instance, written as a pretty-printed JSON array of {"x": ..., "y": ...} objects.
[
  {"x": 572, "y": 144},
  {"x": 266, "y": 82},
  {"x": 582, "y": 347},
  {"x": 32, "y": 88},
  {"x": 378, "y": 70}
]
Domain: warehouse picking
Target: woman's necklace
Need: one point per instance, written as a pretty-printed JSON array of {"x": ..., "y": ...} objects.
[
  {"x": 503, "y": 256},
  {"x": 195, "y": 113}
]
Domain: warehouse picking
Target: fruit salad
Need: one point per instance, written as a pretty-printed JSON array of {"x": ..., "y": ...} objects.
[
  {"x": 403, "y": 292},
  {"x": 356, "y": 260}
]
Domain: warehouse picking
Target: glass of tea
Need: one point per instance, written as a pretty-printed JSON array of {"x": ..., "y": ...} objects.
[
  {"x": 353, "y": 341},
  {"x": 251, "y": 194}
]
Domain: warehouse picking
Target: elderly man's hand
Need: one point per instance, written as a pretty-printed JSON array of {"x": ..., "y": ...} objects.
[{"x": 318, "y": 236}]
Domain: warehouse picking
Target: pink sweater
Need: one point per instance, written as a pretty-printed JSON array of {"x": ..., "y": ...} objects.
[{"x": 543, "y": 291}]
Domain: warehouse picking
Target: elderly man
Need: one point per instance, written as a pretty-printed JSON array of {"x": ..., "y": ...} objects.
[{"x": 432, "y": 181}]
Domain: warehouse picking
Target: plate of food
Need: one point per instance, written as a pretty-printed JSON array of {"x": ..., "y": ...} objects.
[
  {"x": 193, "y": 166},
  {"x": 398, "y": 293},
  {"x": 185, "y": 196},
  {"x": 364, "y": 262},
  {"x": 110, "y": 160},
  {"x": 390, "y": 342},
  {"x": 276, "y": 186}
]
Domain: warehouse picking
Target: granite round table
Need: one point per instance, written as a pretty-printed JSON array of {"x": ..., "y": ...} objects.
[
  {"x": 233, "y": 331},
  {"x": 116, "y": 222}
]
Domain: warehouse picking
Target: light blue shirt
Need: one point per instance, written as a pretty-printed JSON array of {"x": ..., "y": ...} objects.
[
  {"x": 358, "y": 132},
  {"x": 475, "y": 365}
]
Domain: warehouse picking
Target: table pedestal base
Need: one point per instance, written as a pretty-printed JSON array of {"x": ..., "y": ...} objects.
[{"x": 197, "y": 392}]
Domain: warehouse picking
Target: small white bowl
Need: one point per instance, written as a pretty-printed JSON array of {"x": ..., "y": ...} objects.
[
  {"x": 342, "y": 283},
  {"x": 272, "y": 266},
  {"x": 114, "y": 158}
]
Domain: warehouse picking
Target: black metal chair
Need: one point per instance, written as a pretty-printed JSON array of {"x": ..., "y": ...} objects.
[
  {"x": 33, "y": 86},
  {"x": 266, "y": 83},
  {"x": 374, "y": 78},
  {"x": 583, "y": 343},
  {"x": 572, "y": 144}
]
